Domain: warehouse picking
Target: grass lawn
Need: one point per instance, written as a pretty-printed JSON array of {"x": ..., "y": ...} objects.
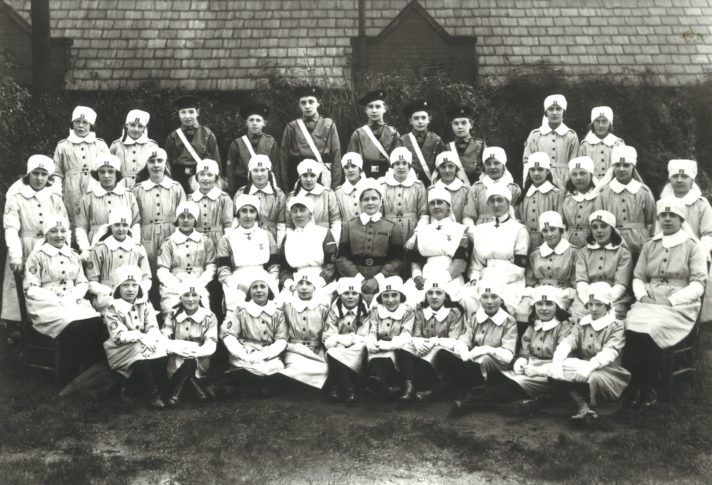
[{"x": 297, "y": 437}]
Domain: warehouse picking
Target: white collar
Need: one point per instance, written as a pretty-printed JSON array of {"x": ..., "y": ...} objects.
[
  {"x": 453, "y": 186},
  {"x": 390, "y": 179},
  {"x": 212, "y": 194},
  {"x": 348, "y": 187},
  {"x": 396, "y": 314},
  {"x": 688, "y": 199},
  {"x": 198, "y": 316},
  {"x": 545, "y": 129},
  {"x": 141, "y": 140},
  {"x": 590, "y": 195},
  {"x": 440, "y": 315},
  {"x": 365, "y": 218},
  {"x": 442, "y": 223},
  {"x": 346, "y": 311},
  {"x": 41, "y": 195},
  {"x": 267, "y": 189},
  {"x": 672, "y": 240},
  {"x": 633, "y": 186},
  {"x": 545, "y": 326},
  {"x": 73, "y": 138},
  {"x": 609, "y": 140},
  {"x": 300, "y": 305},
  {"x": 317, "y": 190},
  {"x": 601, "y": 323},
  {"x": 310, "y": 225},
  {"x": 50, "y": 250},
  {"x": 560, "y": 248},
  {"x": 256, "y": 310},
  {"x": 180, "y": 238},
  {"x": 610, "y": 245},
  {"x": 544, "y": 188},
  {"x": 505, "y": 179},
  {"x": 122, "y": 306},
  {"x": 127, "y": 244},
  {"x": 498, "y": 318},
  {"x": 166, "y": 183},
  {"x": 99, "y": 191}
]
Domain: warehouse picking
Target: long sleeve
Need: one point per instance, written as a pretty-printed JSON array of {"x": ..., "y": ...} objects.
[
  {"x": 333, "y": 152},
  {"x": 624, "y": 270},
  {"x": 394, "y": 257},
  {"x": 224, "y": 259},
  {"x": 525, "y": 351},
  {"x": 697, "y": 264},
  {"x": 459, "y": 261},
  {"x": 81, "y": 222},
  {"x": 11, "y": 221},
  {"x": 344, "y": 265},
  {"x": 282, "y": 171},
  {"x": 612, "y": 347},
  {"x": 212, "y": 148},
  {"x": 334, "y": 216}
]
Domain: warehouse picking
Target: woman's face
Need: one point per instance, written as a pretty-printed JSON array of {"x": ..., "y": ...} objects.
[
  {"x": 494, "y": 168},
  {"x": 308, "y": 106},
  {"x": 420, "y": 120},
  {"x": 435, "y": 297},
  {"x": 119, "y": 230},
  {"x": 81, "y": 127},
  {"x": 186, "y": 222},
  {"x": 491, "y": 302},
  {"x": 623, "y": 172},
  {"x": 206, "y": 180},
  {"x": 255, "y": 124},
  {"x": 247, "y": 216},
  {"x": 681, "y": 184},
  {"x": 581, "y": 179},
  {"x": 156, "y": 168},
  {"x": 305, "y": 290},
  {"x": 135, "y": 130},
  {"x": 499, "y": 205},
  {"x": 188, "y": 116},
  {"x": 391, "y": 300},
  {"x": 439, "y": 209},
  {"x": 601, "y": 127},
  {"x": 538, "y": 175},
  {"x": 670, "y": 223},
  {"x": 461, "y": 127},
  {"x": 107, "y": 177},
  {"x": 554, "y": 115},
  {"x": 349, "y": 299},
  {"x": 551, "y": 235},
  {"x": 375, "y": 110},
  {"x": 601, "y": 232},
  {"x": 57, "y": 236},
  {"x": 352, "y": 173},
  {"x": 300, "y": 215},
  {"x": 38, "y": 179},
  {"x": 597, "y": 309},
  {"x": 128, "y": 290},
  {"x": 447, "y": 171},
  {"x": 545, "y": 310},
  {"x": 308, "y": 180},
  {"x": 190, "y": 301},
  {"x": 260, "y": 176},
  {"x": 259, "y": 292},
  {"x": 400, "y": 169},
  {"x": 370, "y": 202}
]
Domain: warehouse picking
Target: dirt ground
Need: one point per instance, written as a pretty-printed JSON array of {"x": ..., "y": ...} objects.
[{"x": 298, "y": 437}]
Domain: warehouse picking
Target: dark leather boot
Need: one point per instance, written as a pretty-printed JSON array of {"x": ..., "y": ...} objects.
[
  {"x": 197, "y": 390},
  {"x": 408, "y": 391}
]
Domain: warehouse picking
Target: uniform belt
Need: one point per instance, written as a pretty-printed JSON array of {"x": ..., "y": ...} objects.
[
  {"x": 197, "y": 271},
  {"x": 368, "y": 261},
  {"x": 668, "y": 281},
  {"x": 551, "y": 282},
  {"x": 156, "y": 221},
  {"x": 308, "y": 343},
  {"x": 631, "y": 225},
  {"x": 578, "y": 228}
]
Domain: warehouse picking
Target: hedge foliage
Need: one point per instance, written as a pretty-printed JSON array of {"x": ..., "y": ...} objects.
[{"x": 661, "y": 122}]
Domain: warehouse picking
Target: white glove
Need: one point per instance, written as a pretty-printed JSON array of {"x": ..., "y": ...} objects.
[
  {"x": 462, "y": 350},
  {"x": 519, "y": 364},
  {"x": 130, "y": 336},
  {"x": 331, "y": 341}
]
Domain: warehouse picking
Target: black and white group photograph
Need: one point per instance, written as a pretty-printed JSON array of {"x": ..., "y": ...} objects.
[{"x": 355, "y": 241}]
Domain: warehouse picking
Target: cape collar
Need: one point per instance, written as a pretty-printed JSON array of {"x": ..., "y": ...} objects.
[
  {"x": 453, "y": 186},
  {"x": 180, "y": 238},
  {"x": 609, "y": 140},
  {"x": 505, "y": 179},
  {"x": 410, "y": 179},
  {"x": 545, "y": 326},
  {"x": 73, "y": 138},
  {"x": 672, "y": 240},
  {"x": 41, "y": 195},
  {"x": 99, "y": 191},
  {"x": 166, "y": 183},
  {"x": 396, "y": 314},
  {"x": 348, "y": 187},
  {"x": 498, "y": 318},
  {"x": 561, "y": 130},
  {"x": 256, "y": 310},
  {"x": 545, "y": 251},
  {"x": 610, "y": 246},
  {"x": 601, "y": 323},
  {"x": 544, "y": 188},
  {"x": 127, "y": 244},
  {"x": 267, "y": 189},
  {"x": 317, "y": 190},
  {"x": 688, "y": 199},
  {"x": 212, "y": 194},
  {"x": 633, "y": 186},
  {"x": 50, "y": 250},
  {"x": 348, "y": 311},
  {"x": 590, "y": 195},
  {"x": 198, "y": 316},
  {"x": 365, "y": 218},
  {"x": 141, "y": 140},
  {"x": 306, "y": 229},
  {"x": 300, "y": 305},
  {"x": 439, "y": 315}
]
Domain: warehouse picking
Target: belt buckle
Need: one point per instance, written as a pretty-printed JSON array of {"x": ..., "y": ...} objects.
[
  {"x": 187, "y": 171},
  {"x": 369, "y": 262}
]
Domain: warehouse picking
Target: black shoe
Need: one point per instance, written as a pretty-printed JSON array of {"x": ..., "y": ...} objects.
[
  {"x": 197, "y": 390},
  {"x": 211, "y": 391},
  {"x": 350, "y": 397},
  {"x": 522, "y": 407},
  {"x": 632, "y": 398},
  {"x": 376, "y": 388},
  {"x": 583, "y": 418},
  {"x": 424, "y": 396},
  {"x": 334, "y": 394},
  {"x": 124, "y": 394},
  {"x": 648, "y": 398},
  {"x": 172, "y": 401},
  {"x": 155, "y": 401},
  {"x": 408, "y": 392}
]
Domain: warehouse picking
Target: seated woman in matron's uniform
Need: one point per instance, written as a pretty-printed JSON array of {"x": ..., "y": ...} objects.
[
  {"x": 305, "y": 355},
  {"x": 135, "y": 348},
  {"x": 596, "y": 376},
  {"x": 29, "y": 202},
  {"x": 307, "y": 248},
  {"x": 115, "y": 247},
  {"x": 352, "y": 164},
  {"x": 605, "y": 257},
  {"x": 345, "y": 340},
  {"x": 244, "y": 250},
  {"x": 668, "y": 283},
  {"x": 55, "y": 286},
  {"x": 495, "y": 164},
  {"x": 578, "y": 203}
]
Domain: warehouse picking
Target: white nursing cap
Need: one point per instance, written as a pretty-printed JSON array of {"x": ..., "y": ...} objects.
[
  {"x": 190, "y": 207},
  {"x": 309, "y": 166},
  {"x": 439, "y": 193},
  {"x": 309, "y": 276},
  {"x": 499, "y": 189},
  {"x": 369, "y": 184},
  {"x": 259, "y": 274},
  {"x": 349, "y": 284},
  {"x": 246, "y": 199},
  {"x": 301, "y": 199},
  {"x": 443, "y": 157},
  {"x": 159, "y": 153},
  {"x": 84, "y": 113},
  {"x": 547, "y": 293},
  {"x": 604, "y": 216},
  {"x": 353, "y": 158},
  {"x": 401, "y": 154},
  {"x": 555, "y": 100},
  {"x": 125, "y": 273},
  {"x": 624, "y": 154},
  {"x": 686, "y": 167},
  {"x": 584, "y": 162},
  {"x": 40, "y": 161},
  {"x": 497, "y": 153},
  {"x": 493, "y": 286},
  {"x": 602, "y": 112},
  {"x": 392, "y": 283},
  {"x": 119, "y": 215},
  {"x": 190, "y": 285},
  {"x": 259, "y": 161},
  {"x": 600, "y": 291},
  {"x": 438, "y": 279},
  {"x": 539, "y": 159},
  {"x": 672, "y": 204},
  {"x": 107, "y": 160},
  {"x": 138, "y": 116},
  {"x": 54, "y": 221},
  {"x": 550, "y": 219},
  {"x": 209, "y": 165}
]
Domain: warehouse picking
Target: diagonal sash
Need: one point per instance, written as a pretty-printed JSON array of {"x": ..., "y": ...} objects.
[
  {"x": 457, "y": 162},
  {"x": 309, "y": 139},
  {"x": 375, "y": 141},
  {"x": 421, "y": 159},
  {"x": 247, "y": 143},
  {"x": 188, "y": 146}
]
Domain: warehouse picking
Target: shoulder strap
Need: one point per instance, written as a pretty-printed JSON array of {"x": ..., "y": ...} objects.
[
  {"x": 375, "y": 141},
  {"x": 247, "y": 143},
  {"x": 457, "y": 161},
  {"x": 188, "y": 146},
  {"x": 309, "y": 139},
  {"x": 419, "y": 154}
]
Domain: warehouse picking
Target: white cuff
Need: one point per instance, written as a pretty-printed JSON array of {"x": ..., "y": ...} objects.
[{"x": 639, "y": 289}]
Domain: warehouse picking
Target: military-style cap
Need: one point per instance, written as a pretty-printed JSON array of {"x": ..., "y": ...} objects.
[
  {"x": 377, "y": 95},
  {"x": 254, "y": 109},
  {"x": 415, "y": 106},
  {"x": 461, "y": 112},
  {"x": 304, "y": 91},
  {"x": 189, "y": 101}
]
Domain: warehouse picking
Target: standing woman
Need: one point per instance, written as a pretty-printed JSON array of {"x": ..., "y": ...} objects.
[
  {"x": 55, "y": 286},
  {"x": 404, "y": 199},
  {"x": 448, "y": 177},
  {"x": 261, "y": 183},
  {"x": 371, "y": 248},
  {"x": 134, "y": 147},
  {"x": 352, "y": 164},
  {"x": 76, "y": 156},
  {"x": 540, "y": 195},
  {"x": 101, "y": 198},
  {"x": 466, "y": 150},
  {"x": 669, "y": 280},
  {"x": 424, "y": 145},
  {"x": 26, "y": 209},
  {"x": 215, "y": 216},
  {"x": 578, "y": 200},
  {"x": 158, "y": 197},
  {"x": 605, "y": 257},
  {"x": 600, "y": 141},
  {"x": 495, "y": 165},
  {"x": 627, "y": 198},
  {"x": 554, "y": 138},
  {"x": 326, "y": 209}
]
